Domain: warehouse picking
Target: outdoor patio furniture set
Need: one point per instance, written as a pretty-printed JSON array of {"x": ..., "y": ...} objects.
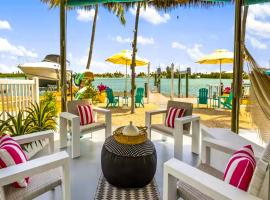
[
  {"x": 180, "y": 180},
  {"x": 114, "y": 101},
  {"x": 224, "y": 101}
]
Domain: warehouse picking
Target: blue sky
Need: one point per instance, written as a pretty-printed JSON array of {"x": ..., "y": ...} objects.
[{"x": 29, "y": 30}]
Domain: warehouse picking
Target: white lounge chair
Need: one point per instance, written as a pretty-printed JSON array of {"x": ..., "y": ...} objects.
[
  {"x": 46, "y": 172},
  {"x": 205, "y": 182},
  {"x": 73, "y": 116},
  {"x": 182, "y": 127}
]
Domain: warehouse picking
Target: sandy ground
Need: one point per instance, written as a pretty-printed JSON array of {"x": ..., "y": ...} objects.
[{"x": 210, "y": 117}]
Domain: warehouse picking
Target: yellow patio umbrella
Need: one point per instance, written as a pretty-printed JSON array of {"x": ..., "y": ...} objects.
[
  {"x": 125, "y": 58},
  {"x": 219, "y": 56}
]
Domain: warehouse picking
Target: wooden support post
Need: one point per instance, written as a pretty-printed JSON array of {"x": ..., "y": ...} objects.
[
  {"x": 237, "y": 68},
  {"x": 148, "y": 82},
  {"x": 172, "y": 81},
  {"x": 187, "y": 86},
  {"x": 179, "y": 85}
]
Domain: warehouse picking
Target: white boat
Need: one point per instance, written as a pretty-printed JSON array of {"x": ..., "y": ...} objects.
[{"x": 48, "y": 69}]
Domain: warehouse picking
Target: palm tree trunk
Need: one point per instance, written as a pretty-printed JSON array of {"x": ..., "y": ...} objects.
[
  {"x": 63, "y": 82},
  {"x": 92, "y": 38},
  {"x": 133, "y": 63}
]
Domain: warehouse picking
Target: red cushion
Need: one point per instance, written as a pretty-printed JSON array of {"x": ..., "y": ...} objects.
[
  {"x": 172, "y": 115},
  {"x": 240, "y": 168},
  {"x": 11, "y": 153},
  {"x": 86, "y": 114}
]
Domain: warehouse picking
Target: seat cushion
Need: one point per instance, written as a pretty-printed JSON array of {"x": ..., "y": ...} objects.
[
  {"x": 92, "y": 127},
  {"x": 11, "y": 154},
  {"x": 211, "y": 170},
  {"x": 173, "y": 113},
  {"x": 86, "y": 114},
  {"x": 189, "y": 192},
  {"x": 164, "y": 129},
  {"x": 39, "y": 184}
]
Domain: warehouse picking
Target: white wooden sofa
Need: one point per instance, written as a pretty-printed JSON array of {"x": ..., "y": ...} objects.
[
  {"x": 72, "y": 116},
  {"x": 204, "y": 182},
  {"x": 182, "y": 127},
  {"x": 46, "y": 172}
]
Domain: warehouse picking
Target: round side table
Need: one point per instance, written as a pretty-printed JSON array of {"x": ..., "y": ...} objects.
[{"x": 128, "y": 166}]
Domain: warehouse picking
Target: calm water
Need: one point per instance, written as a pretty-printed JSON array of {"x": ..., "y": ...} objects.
[{"x": 118, "y": 84}]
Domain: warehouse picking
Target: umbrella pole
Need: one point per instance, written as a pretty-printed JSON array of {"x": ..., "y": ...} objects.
[
  {"x": 126, "y": 79},
  {"x": 220, "y": 78}
]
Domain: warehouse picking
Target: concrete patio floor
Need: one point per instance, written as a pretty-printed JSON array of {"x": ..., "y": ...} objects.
[{"x": 86, "y": 170}]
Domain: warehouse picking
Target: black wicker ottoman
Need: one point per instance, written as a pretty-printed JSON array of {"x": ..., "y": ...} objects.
[{"x": 128, "y": 166}]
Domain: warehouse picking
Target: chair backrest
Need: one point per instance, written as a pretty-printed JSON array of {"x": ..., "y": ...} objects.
[
  {"x": 187, "y": 106},
  {"x": 229, "y": 99},
  {"x": 140, "y": 92},
  {"x": 259, "y": 185},
  {"x": 109, "y": 93},
  {"x": 203, "y": 95},
  {"x": 72, "y": 105}
]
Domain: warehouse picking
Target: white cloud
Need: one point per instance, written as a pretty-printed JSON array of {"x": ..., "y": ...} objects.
[
  {"x": 152, "y": 16},
  {"x": 257, "y": 44},
  {"x": 120, "y": 39},
  {"x": 145, "y": 40},
  {"x": 140, "y": 39},
  {"x": 257, "y": 23},
  {"x": 85, "y": 15},
  {"x": 7, "y": 48},
  {"x": 8, "y": 68},
  {"x": 177, "y": 45},
  {"x": 194, "y": 52},
  {"x": 5, "y": 25}
]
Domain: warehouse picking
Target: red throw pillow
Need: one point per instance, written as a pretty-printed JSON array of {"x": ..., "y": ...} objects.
[
  {"x": 240, "y": 168},
  {"x": 11, "y": 153},
  {"x": 172, "y": 115},
  {"x": 86, "y": 114}
]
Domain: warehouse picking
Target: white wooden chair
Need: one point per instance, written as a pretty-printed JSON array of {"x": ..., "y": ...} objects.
[
  {"x": 72, "y": 116},
  {"x": 182, "y": 127},
  {"x": 46, "y": 172},
  {"x": 205, "y": 182}
]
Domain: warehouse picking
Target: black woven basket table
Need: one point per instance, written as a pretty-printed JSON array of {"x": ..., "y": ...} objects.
[{"x": 126, "y": 165}]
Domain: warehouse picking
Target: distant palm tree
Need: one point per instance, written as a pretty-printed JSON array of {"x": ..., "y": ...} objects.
[
  {"x": 118, "y": 10},
  {"x": 165, "y": 5},
  {"x": 115, "y": 8}
]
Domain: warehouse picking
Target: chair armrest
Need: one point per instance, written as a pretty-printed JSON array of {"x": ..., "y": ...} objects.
[
  {"x": 11, "y": 174},
  {"x": 156, "y": 112},
  {"x": 219, "y": 145},
  {"x": 187, "y": 119},
  {"x": 32, "y": 137},
  {"x": 68, "y": 116},
  {"x": 101, "y": 110},
  {"x": 205, "y": 183}
]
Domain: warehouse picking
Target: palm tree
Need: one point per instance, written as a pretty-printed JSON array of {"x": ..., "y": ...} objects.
[
  {"x": 118, "y": 10},
  {"x": 160, "y": 5},
  {"x": 115, "y": 8}
]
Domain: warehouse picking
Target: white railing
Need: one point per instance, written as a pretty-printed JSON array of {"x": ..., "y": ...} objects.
[{"x": 17, "y": 95}]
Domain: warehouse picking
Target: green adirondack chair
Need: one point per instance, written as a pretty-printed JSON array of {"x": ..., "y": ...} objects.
[
  {"x": 111, "y": 99},
  {"x": 139, "y": 97},
  {"x": 203, "y": 97},
  {"x": 227, "y": 101}
]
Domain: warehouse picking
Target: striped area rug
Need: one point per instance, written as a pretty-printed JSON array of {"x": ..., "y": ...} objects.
[{"x": 106, "y": 191}]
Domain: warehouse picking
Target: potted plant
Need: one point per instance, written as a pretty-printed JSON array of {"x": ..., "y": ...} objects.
[{"x": 102, "y": 92}]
